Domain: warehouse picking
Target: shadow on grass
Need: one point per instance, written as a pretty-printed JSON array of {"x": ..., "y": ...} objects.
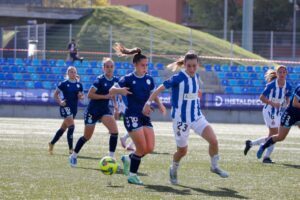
[
  {"x": 160, "y": 153},
  {"x": 164, "y": 188},
  {"x": 80, "y": 157},
  {"x": 291, "y": 166},
  {"x": 222, "y": 192},
  {"x": 120, "y": 171}
]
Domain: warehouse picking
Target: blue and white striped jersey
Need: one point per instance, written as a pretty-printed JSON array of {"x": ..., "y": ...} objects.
[
  {"x": 276, "y": 94},
  {"x": 185, "y": 101}
]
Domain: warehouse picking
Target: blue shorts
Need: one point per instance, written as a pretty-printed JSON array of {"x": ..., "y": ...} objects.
[
  {"x": 91, "y": 118},
  {"x": 289, "y": 118},
  {"x": 134, "y": 122},
  {"x": 67, "y": 112}
]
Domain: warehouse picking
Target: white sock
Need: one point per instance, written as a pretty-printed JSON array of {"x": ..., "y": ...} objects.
[
  {"x": 258, "y": 141},
  {"x": 132, "y": 174},
  {"x": 175, "y": 165},
  {"x": 74, "y": 154},
  {"x": 126, "y": 136},
  {"x": 111, "y": 154},
  {"x": 269, "y": 151},
  {"x": 214, "y": 161}
]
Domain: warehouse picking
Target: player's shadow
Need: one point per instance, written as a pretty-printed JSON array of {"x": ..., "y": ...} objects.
[
  {"x": 160, "y": 153},
  {"x": 120, "y": 171},
  {"x": 165, "y": 188},
  {"x": 221, "y": 192},
  {"x": 81, "y": 157},
  {"x": 292, "y": 166}
]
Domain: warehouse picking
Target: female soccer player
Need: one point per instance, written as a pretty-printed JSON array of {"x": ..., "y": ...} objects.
[
  {"x": 186, "y": 113},
  {"x": 290, "y": 117},
  {"x": 275, "y": 97},
  {"x": 72, "y": 91},
  {"x": 98, "y": 110},
  {"x": 137, "y": 86}
]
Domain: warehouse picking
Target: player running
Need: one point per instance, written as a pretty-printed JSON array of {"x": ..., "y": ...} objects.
[
  {"x": 275, "y": 96},
  {"x": 186, "y": 113},
  {"x": 98, "y": 110},
  {"x": 71, "y": 89},
  {"x": 137, "y": 86}
]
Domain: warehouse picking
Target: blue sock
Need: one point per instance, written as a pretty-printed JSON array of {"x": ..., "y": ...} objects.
[
  {"x": 70, "y": 136},
  {"x": 81, "y": 141},
  {"x": 134, "y": 163},
  {"x": 268, "y": 143},
  {"x": 58, "y": 134},
  {"x": 113, "y": 140}
]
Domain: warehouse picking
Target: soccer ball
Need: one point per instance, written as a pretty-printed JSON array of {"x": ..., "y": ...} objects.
[{"x": 108, "y": 165}]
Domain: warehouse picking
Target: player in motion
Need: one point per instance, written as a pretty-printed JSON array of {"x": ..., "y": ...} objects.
[
  {"x": 186, "y": 113},
  {"x": 290, "y": 117},
  {"x": 275, "y": 96},
  {"x": 137, "y": 86},
  {"x": 71, "y": 89},
  {"x": 98, "y": 110}
]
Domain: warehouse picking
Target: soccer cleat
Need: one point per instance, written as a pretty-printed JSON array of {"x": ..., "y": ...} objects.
[
  {"x": 267, "y": 160},
  {"x": 173, "y": 176},
  {"x": 134, "y": 180},
  {"x": 260, "y": 152},
  {"x": 73, "y": 160},
  {"x": 51, "y": 146},
  {"x": 123, "y": 142},
  {"x": 126, "y": 164},
  {"x": 247, "y": 147},
  {"x": 220, "y": 172}
]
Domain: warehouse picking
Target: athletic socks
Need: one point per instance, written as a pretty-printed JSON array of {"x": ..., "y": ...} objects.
[
  {"x": 268, "y": 143},
  {"x": 175, "y": 165},
  {"x": 81, "y": 141},
  {"x": 70, "y": 136},
  {"x": 58, "y": 134},
  {"x": 258, "y": 141},
  {"x": 214, "y": 161},
  {"x": 113, "y": 140},
  {"x": 269, "y": 151},
  {"x": 135, "y": 161}
]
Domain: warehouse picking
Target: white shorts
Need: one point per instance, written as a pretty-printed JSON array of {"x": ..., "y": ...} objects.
[
  {"x": 271, "y": 121},
  {"x": 182, "y": 130}
]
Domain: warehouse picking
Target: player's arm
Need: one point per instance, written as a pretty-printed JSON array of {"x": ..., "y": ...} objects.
[
  {"x": 92, "y": 95},
  {"x": 58, "y": 99},
  {"x": 154, "y": 97},
  {"x": 296, "y": 102},
  {"x": 114, "y": 90},
  {"x": 269, "y": 102}
]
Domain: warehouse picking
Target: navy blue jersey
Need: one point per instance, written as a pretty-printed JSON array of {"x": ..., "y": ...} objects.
[
  {"x": 141, "y": 88},
  {"x": 291, "y": 116},
  {"x": 296, "y": 95},
  {"x": 102, "y": 86},
  {"x": 70, "y": 90}
]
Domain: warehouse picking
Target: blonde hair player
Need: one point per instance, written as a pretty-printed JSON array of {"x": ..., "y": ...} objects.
[
  {"x": 186, "y": 113},
  {"x": 275, "y": 96},
  {"x": 98, "y": 111},
  {"x": 71, "y": 89}
]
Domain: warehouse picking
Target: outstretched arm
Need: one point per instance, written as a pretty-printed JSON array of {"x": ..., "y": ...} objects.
[{"x": 154, "y": 97}]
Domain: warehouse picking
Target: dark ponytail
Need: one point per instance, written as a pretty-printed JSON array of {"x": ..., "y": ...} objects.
[{"x": 123, "y": 51}]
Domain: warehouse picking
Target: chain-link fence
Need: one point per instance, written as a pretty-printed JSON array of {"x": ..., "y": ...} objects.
[{"x": 96, "y": 41}]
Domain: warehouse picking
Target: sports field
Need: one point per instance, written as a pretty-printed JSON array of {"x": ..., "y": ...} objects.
[{"x": 28, "y": 172}]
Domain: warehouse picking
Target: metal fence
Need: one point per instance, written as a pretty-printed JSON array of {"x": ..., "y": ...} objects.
[{"x": 52, "y": 40}]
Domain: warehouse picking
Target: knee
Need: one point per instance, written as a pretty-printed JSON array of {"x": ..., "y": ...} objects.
[
  {"x": 214, "y": 142},
  {"x": 87, "y": 137},
  {"x": 150, "y": 149},
  {"x": 280, "y": 138}
]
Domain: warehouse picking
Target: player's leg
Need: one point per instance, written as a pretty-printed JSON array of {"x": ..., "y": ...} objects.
[
  {"x": 181, "y": 133},
  {"x": 69, "y": 121},
  {"x": 209, "y": 135},
  {"x": 269, "y": 121},
  {"x": 270, "y": 149},
  {"x": 57, "y": 136},
  {"x": 139, "y": 140},
  {"x": 110, "y": 123}
]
